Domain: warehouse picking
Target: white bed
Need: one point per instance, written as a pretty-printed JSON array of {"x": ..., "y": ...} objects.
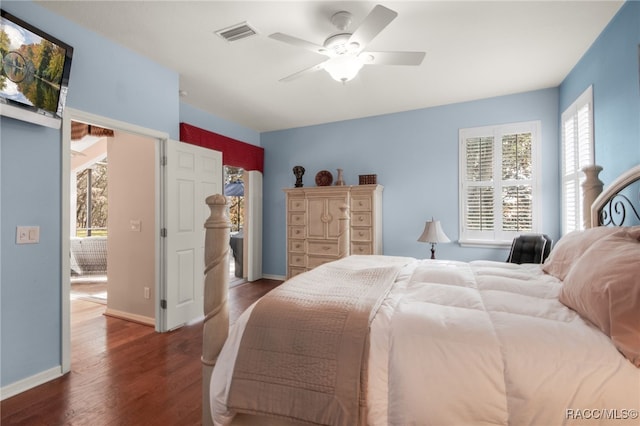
[{"x": 456, "y": 343}]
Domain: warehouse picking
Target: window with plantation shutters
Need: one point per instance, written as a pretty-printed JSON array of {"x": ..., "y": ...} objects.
[
  {"x": 577, "y": 152},
  {"x": 499, "y": 183}
]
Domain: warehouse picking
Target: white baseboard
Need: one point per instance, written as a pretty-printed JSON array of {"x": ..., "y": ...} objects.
[
  {"x": 130, "y": 317},
  {"x": 273, "y": 277},
  {"x": 30, "y": 382}
]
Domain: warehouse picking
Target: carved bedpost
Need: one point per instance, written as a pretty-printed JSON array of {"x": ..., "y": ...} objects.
[
  {"x": 216, "y": 277},
  {"x": 343, "y": 224},
  {"x": 591, "y": 188}
]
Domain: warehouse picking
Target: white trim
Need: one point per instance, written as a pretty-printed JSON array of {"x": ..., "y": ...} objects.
[
  {"x": 29, "y": 116},
  {"x": 253, "y": 224},
  {"x": 71, "y": 114},
  {"x": 30, "y": 382},
  {"x": 141, "y": 319},
  {"x": 273, "y": 277},
  {"x": 485, "y": 243}
]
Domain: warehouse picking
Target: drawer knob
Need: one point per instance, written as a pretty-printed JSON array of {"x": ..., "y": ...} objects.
[
  {"x": 297, "y": 245},
  {"x": 360, "y": 249},
  {"x": 361, "y": 219},
  {"x": 361, "y": 233},
  {"x": 297, "y": 231},
  {"x": 360, "y": 204},
  {"x": 325, "y": 248}
]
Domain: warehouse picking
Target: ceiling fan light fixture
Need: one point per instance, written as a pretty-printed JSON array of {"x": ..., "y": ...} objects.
[
  {"x": 339, "y": 44},
  {"x": 343, "y": 68},
  {"x": 347, "y": 49}
]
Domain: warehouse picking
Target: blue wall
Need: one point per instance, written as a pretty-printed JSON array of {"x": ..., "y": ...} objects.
[
  {"x": 30, "y": 276},
  {"x": 415, "y": 155},
  {"x": 109, "y": 80},
  {"x": 611, "y": 66},
  {"x": 30, "y": 289}
]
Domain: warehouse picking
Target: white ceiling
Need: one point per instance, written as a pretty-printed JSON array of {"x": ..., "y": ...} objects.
[{"x": 474, "y": 50}]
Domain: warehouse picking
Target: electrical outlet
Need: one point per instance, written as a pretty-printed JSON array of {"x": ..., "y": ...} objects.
[
  {"x": 147, "y": 293},
  {"x": 135, "y": 225}
]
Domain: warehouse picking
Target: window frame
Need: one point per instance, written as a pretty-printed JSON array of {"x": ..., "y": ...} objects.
[
  {"x": 577, "y": 177},
  {"x": 499, "y": 237}
]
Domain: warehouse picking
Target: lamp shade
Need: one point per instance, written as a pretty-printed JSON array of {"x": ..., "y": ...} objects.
[{"x": 433, "y": 233}]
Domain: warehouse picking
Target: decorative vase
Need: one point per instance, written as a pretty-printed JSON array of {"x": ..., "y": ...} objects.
[
  {"x": 340, "y": 180},
  {"x": 298, "y": 172}
]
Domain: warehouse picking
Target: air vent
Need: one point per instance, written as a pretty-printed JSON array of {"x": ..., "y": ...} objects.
[{"x": 237, "y": 32}]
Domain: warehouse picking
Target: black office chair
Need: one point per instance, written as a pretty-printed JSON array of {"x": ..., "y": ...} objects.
[{"x": 530, "y": 248}]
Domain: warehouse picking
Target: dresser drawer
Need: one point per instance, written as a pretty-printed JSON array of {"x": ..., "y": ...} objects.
[
  {"x": 293, "y": 271},
  {"x": 329, "y": 248},
  {"x": 360, "y": 203},
  {"x": 312, "y": 261},
  {"x": 297, "y": 260},
  {"x": 361, "y": 234},
  {"x": 361, "y": 219},
  {"x": 296, "y": 232},
  {"x": 361, "y": 248},
  {"x": 296, "y": 219},
  {"x": 296, "y": 204},
  {"x": 296, "y": 246}
]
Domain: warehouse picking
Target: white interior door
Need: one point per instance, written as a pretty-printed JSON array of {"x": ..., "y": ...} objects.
[
  {"x": 253, "y": 225},
  {"x": 192, "y": 173}
]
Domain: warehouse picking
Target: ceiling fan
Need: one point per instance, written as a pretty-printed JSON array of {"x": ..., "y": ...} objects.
[{"x": 346, "y": 50}]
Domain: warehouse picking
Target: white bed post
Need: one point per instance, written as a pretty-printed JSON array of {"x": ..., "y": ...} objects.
[
  {"x": 591, "y": 188},
  {"x": 216, "y": 281},
  {"x": 343, "y": 225}
]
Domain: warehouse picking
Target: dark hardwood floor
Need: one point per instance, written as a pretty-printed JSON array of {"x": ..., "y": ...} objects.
[{"x": 123, "y": 373}]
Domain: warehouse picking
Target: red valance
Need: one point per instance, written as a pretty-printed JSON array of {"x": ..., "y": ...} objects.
[{"x": 234, "y": 152}]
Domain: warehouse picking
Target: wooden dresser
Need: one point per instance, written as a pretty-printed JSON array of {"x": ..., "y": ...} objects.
[{"x": 325, "y": 223}]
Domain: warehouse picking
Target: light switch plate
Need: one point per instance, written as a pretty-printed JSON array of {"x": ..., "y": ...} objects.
[{"x": 27, "y": 235}]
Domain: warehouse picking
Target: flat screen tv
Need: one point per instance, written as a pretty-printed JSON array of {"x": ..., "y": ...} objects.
[{"x": 35, "y": 70}]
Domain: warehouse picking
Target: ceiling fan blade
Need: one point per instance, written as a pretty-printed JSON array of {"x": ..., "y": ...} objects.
[
  {"x": 304, "y": 72},
  {"x": 392, "y": 58},
  {"x": 375, "y": 22},
  {"x": 298, "y": 42}
]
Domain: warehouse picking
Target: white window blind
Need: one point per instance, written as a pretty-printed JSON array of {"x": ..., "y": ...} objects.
[
  {"x": 499, "y": 179},
  {"x": 577, "y": 152}
]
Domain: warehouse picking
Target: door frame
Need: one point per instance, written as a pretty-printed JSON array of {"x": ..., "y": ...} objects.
[{"x": 71, "y": 114}]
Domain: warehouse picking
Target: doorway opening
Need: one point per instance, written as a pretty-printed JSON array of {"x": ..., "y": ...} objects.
[
  {"x": 88, "y": 212},
  {"x": 113, "y": 220},
  {"x": 234, "y": 191}
]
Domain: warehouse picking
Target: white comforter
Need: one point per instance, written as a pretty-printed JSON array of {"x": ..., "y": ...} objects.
[{"x": 480, "y": 343}]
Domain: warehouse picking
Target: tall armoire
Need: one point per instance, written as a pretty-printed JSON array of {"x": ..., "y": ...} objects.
[{"x": 325, "y": 223}]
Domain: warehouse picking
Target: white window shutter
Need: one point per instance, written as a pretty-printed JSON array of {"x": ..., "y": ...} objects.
[
  {"x": 578, "y": 152},
  {"x": 499, "y": 184}
]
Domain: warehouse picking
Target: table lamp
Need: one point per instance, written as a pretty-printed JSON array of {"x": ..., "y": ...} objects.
[{"x": 433, "y": 234}]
